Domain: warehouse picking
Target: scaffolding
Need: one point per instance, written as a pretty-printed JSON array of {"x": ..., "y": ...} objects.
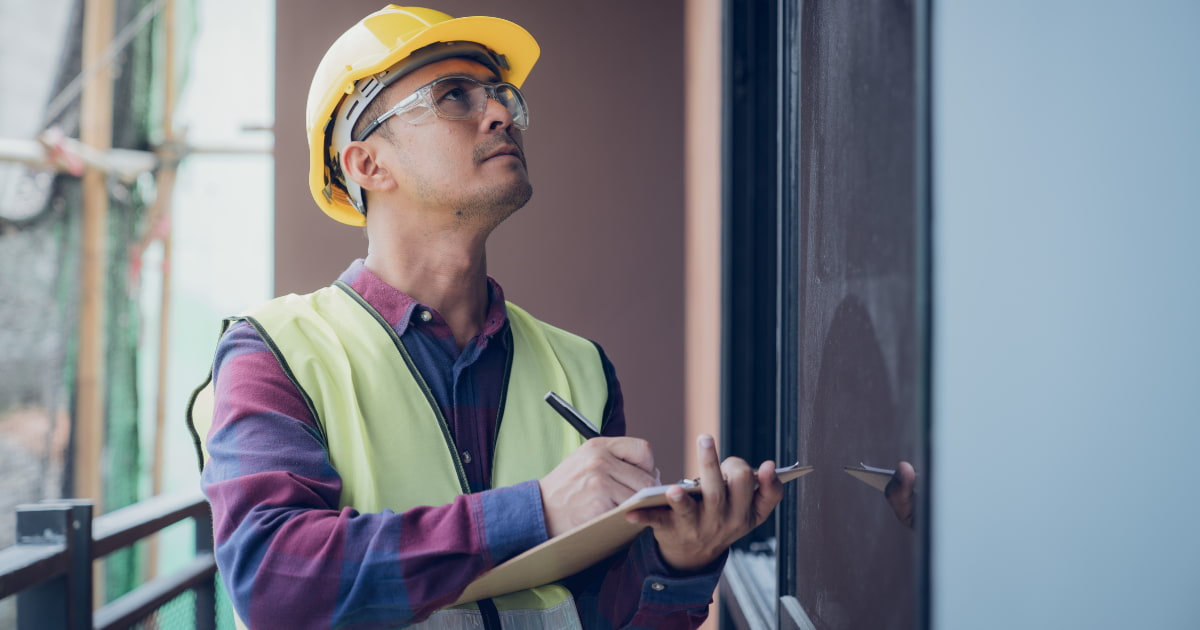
[{"x": 81, "y": 200}]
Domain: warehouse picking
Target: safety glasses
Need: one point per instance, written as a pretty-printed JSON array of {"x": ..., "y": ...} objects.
[{"x": 455, "y": 97}]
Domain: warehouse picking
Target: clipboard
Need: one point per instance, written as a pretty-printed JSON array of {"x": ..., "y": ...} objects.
[
  {"x": 581, "y": 547},
  {"x": 877, "y": 478}
]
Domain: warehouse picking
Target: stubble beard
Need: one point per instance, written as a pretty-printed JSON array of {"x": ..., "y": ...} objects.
[
  {"x": 486, "y": 205},
  {"x": 499, "y": 201},
  {"x": 496, "y": 203},
  {"x": 493, "y": 205}
]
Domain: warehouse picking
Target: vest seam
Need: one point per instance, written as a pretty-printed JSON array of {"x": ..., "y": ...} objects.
[
  {"x": 197, "y": 441},
  {"x": 189, "y": 414},
  {"x": 287, "y": 370},
  {"x": 412, "y": 368},
  {"x": 610, "y": 377},
  {"x": 512, "y": 351}
]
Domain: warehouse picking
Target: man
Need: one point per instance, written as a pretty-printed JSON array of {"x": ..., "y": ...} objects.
[{"x": 378, "y": 444}]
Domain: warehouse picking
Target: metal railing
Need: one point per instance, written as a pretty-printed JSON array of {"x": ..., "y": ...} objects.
[{"x": 49, "y": 570}]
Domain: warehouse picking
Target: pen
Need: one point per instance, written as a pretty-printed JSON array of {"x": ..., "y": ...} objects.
[{"x": 572, "y": 416}]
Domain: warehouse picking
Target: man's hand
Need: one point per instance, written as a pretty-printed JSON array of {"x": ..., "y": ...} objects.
[
  {"x": 597, "y": 477},
  {"x": 899, "y": 492},
  {"x": 692, "y": 533}
]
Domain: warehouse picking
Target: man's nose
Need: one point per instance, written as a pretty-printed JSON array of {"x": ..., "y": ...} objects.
[{"x": 495, "y": 114}]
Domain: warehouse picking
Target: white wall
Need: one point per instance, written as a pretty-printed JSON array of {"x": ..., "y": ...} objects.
[{"x": 1067, "y": 296}]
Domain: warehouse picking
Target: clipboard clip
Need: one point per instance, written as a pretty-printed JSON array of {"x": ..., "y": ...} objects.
[{"x": 694, "y": 482}]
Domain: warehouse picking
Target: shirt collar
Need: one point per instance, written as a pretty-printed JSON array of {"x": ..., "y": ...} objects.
[{"x": 398, "y": 308}]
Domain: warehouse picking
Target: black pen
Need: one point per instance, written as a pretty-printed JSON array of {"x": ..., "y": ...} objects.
[{"x": 572, "y": 416}]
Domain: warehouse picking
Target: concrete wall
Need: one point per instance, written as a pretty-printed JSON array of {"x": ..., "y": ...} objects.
[{"x": 600, "y": 248}]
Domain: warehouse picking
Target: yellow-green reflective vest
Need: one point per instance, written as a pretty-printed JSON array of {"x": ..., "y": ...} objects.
[{"x": 381, "y": 422}]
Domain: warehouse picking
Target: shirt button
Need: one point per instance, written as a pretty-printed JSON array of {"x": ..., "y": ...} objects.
[
  {"x": 466, "y": 457},
  {"x": 426, "y": 316},
  {"x": 658, "y": 586}
]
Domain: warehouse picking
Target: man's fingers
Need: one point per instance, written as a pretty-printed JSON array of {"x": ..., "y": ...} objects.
[
  {"x": 618, "y": 465},
  {"x": 765, "y": 472},
  {"x": 734, "y": 499},
  {"x": 629, "y": 476},
  {"x": 739, "y": 486},
  {"x": 632, "y": 450},
  {"x": 633, "y": 463},
  {"x": 682, "y": 503},
  {"x": 683, "y": 509},
  {"x": 712, "y": 480},
  {"x": 769, "y": 494}
]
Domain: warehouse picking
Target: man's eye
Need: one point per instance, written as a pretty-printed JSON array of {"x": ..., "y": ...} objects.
[{"x": 454, "y": 94}]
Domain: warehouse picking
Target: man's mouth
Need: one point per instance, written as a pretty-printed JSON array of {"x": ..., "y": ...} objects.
[{"x": 502, "y": 150}]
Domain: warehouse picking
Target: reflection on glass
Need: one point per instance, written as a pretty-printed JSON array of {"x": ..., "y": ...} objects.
[{"x": 860, "y": 376}]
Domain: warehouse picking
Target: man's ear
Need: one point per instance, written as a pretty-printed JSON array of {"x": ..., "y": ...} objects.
[{"x": 361, "y": 163}]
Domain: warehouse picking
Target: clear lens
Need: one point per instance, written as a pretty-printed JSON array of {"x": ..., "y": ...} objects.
[
  {"x": 456, "y": 98},
  {"x": 460, "y": 98},
  {"x": 509, "y": 96}
]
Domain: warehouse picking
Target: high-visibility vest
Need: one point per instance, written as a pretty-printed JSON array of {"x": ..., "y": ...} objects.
[{"x": 381, "y": 423}]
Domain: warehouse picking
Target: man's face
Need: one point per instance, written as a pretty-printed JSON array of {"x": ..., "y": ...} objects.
[{"x": 474, "y": 168}]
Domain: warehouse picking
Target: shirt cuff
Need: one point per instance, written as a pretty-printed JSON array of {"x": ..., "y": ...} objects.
[
  {"x": 663, "y": 584},
  {"x": 512, "y": 519}
]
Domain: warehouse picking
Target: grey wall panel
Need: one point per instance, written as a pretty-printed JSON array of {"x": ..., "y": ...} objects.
[{"x": 1066, "y": 418}]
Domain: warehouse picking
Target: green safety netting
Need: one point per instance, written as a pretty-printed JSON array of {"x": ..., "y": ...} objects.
[{"x": 40, "y": 257}]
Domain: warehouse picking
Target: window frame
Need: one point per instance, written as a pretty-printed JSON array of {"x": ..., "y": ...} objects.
[{"x": 761, "y": 88}]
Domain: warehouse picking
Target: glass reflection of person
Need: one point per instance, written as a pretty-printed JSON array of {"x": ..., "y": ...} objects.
[{"x": 900, "y": 493}]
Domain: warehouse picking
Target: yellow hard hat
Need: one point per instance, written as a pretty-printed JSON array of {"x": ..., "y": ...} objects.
[{"x": 382, "y": 46}]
